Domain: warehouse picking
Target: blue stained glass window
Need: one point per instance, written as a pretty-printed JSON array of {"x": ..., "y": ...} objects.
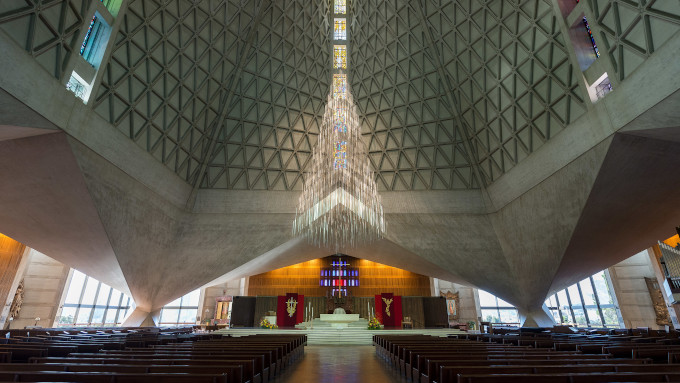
[
  {"x": 88, "y": 35},
  {"x": 590, "y": 35}
]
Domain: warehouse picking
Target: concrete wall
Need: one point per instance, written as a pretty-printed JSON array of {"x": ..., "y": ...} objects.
[
  {"x": 469, "y": 302},
  {"x": 628, "y": 279},
  {"x": 44, "y": 283}
]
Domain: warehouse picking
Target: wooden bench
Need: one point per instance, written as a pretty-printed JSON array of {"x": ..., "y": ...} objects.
[
  {"x": 234, "y": 373},
  {"x": 570, "y": 378},
  {"x": 108, "y": 377}
]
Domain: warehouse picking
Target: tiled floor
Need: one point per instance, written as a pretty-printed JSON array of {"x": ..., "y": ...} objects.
[{"x": 340, "y": 364}]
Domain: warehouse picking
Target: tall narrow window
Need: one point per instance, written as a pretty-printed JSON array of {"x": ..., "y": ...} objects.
[
  {"x": 340, "y": 29},
  {"x": 96, "y": 38},
  {"x": 88, "y": 34},
  {"x": 77, "y": 86},
  {"x": 181, "y": 311},
  {"x": 340, "y": 57},
  {"x": 113, "y": 6},
  {"x": 89, "y": 302},
  {"x": 496, "y": 310},
  {"x": 590, "y": 36},
  {"x": 339, "y": 85},
  {"x": 588, "y": 303},
  {"x": 340, "y": 7}
]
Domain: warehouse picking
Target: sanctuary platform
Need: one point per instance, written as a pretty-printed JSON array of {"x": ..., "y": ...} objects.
[{"x": 322, "y": 333}]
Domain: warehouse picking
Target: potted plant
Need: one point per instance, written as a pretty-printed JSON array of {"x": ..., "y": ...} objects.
[{"x": 373, "y": 324}]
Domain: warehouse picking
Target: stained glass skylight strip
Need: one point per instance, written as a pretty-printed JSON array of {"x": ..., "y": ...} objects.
[
  {"x": 340, "y": 7},
  {"x": 590, "y": 35},
  {"x": 340, "y": 57},
  {"x": 87, "y": 35},
  {"x": 340, "y": 29},
  {"x": 339, "y": 85}
]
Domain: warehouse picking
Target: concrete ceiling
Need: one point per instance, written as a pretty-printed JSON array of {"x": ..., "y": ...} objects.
[{"x": 184, "y": 167}]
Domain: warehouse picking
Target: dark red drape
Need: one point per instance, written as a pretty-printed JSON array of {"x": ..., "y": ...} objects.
[
  {"x": 378, "y": 308},
  {"x": 280, "y": 310},
  {"x": 283, "y": 319},
  {"x": 387, "y": 310},
  {"x": 397, "y": 311}
]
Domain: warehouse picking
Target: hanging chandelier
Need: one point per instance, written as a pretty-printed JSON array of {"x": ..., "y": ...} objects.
[{"x": 340, "y": 206}]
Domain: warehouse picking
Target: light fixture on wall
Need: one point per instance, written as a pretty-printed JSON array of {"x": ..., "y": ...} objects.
[{"x": 340, "y": 206}]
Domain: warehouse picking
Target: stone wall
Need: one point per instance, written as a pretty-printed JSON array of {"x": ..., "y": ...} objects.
[{"x": 628, "y": 279}]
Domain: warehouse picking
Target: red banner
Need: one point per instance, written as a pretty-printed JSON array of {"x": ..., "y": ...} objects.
[
  {"x": 397, "y": 311},
  {"x": 387, "y": 300},
  {"x": 388, "y": 309},
  {"x": 288, "y": 310}
]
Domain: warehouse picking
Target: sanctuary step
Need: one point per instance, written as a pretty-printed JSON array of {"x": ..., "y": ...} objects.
[
  {"x": 325, "y": 335},
  {"x": 362, "y": 323}
]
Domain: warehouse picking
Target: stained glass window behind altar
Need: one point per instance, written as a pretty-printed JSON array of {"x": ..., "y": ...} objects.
[
  {"x": 339, "y": 85},
  {"x": 340, "y": 29},
  {"x": 340, "y": 57},
  {"x": 340, "y": 7}
]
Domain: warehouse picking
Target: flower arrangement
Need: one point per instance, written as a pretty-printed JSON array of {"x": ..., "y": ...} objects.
[
  {"x": 266, "y": 324},
  {"x": 373, "y": 324}
]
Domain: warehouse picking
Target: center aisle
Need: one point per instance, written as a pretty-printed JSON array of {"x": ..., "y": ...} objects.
[{"x": 339, "y": 364}]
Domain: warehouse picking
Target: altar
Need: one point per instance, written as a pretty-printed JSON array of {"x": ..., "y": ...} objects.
[{"x": 339, "y": 319}]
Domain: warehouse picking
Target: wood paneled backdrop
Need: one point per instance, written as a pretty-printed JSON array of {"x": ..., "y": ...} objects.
[
  {"x": 425, "y": 311},
  {"x": 374, "y": 278},
  {"x": 11, "y": 252}
]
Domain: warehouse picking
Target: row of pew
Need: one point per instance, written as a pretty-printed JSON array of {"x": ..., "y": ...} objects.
[
  {"x": 148, "y": 357},
  {"x": 539, "y": 358}
]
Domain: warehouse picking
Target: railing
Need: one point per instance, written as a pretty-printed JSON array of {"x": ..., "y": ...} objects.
[
  {"x": 674, "y": 284},
  {"x": 671, "y": 257}
]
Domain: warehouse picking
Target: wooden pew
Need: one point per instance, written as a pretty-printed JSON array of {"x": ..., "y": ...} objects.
[
  {"x": 108, "y": 377},
  {"x": 448, "y": 371},
  {"x": 571, "y": 378},
  {"x": 234, "y": 373}
]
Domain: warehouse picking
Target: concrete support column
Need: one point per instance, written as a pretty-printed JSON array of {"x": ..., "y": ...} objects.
[
  {"x": 537, "y": 317},
  {"x": 142, "y": 318}
]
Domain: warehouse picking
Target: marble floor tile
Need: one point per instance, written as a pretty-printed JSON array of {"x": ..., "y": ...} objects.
[{"x": 340, "y": 364}]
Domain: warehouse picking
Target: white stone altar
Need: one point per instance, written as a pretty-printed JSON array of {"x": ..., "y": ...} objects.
[
  {"x": 339, "y": 319},
  {"x": 270, "y": 318}
]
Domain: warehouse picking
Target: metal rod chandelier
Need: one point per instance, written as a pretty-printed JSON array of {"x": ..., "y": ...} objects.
[{"x": 340, "y": 206}]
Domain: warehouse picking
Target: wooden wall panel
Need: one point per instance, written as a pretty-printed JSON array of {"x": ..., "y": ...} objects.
[
  {"x": 374, "y": 278},
  {"x": 11, "y": 252},
  {"x": 243, "y": 311},
  {"x": 302, "y": 278},
  {"x": 434, "y": 310},
  {"x": 413, "y": 307},
  {"x": 262, "y": 305}
]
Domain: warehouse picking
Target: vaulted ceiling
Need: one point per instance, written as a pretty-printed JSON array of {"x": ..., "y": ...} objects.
[
  {"x": 476, "y": 107},
  {"x": 230, "y": 94}
]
